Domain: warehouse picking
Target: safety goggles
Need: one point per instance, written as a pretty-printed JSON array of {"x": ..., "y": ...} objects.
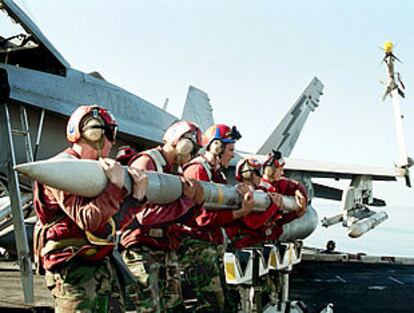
[{"x": 110, "y": 128}]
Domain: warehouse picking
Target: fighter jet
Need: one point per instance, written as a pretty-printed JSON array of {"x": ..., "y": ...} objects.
[
  {"x": 39, "y": 90},
  {"x": 355, "y": 200}
]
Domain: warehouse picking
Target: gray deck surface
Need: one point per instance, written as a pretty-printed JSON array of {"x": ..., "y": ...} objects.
[
  {"x": 354, "y": 287},
  {"x": 11, "y": 292},
  {"x": 351, "y": 287}
]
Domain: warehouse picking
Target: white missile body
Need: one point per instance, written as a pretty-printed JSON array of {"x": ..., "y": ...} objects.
[
  {"x": 302, "y": 227},
  {"x": 361, "y": 227},
  {"x": 87, "y": 178},
  {"x": 329, "y": 221}
]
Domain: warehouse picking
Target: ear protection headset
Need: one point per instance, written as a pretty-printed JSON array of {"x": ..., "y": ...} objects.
[
  {"x": 216, "y": 147},
  {"x": 184, "y": 146},
  {"x": 90, "y": 123},
  {"x": 246, "y": 168},
  {"x": 247, "y": 174},
  {"x": 93, "y": 129}
]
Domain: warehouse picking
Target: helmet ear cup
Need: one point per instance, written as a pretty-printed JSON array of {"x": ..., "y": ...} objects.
[
  {"x": 216, "y": 147},
  {"x": 90, "y": 132},
  {"x": 246, "y": 175},
  {"x": 184, "y": 147},
  {"x": 269, "y": 171}
]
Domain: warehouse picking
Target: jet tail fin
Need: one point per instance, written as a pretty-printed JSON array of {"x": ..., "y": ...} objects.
[
  {"x": 285, "y": 135},
  {"x": 197, "y": 108}
]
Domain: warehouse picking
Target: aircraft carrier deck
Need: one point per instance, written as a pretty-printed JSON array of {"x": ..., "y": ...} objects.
[{"x": 353, "y": 283}]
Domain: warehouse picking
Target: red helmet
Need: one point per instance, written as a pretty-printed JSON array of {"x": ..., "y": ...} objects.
[
  {"x": 248, "y": 165},
  {"x": 125, "y": 153},
  {"x": 274, "y": 159},
  {"x": 221, "y": 132},
  {"x": 109, "y": 127},
  {"x": 177, "y": 130}
]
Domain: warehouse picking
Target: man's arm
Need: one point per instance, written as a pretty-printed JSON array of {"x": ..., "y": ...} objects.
[
  {"x": 89, "y": 214},
  {"x": 151, "y": 213}
]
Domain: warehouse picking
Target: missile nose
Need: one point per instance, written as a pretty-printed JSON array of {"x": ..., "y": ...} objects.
[
  {"x": 24, "y": 168},
  {"x": 388, "y": 46}
]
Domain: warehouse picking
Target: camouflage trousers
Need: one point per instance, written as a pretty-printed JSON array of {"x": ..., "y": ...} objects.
[
  {"x": 203, "y": 274},
  {"x": 85, "y": 288},
  {"x": 158, "y": 275}
]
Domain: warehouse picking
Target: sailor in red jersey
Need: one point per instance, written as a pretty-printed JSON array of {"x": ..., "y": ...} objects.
[
  {"x": 201, "y": 249},
  {"x": 254, "y": 228},
  {"x": 273, "y": 180},
  {"x": 74, "y": 235},
  {"x": 148, "y": 249}
]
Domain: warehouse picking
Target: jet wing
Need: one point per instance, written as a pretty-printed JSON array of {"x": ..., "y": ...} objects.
[
  {"x": 197, "y": 108},
  {"x": 322, "y": 169},
  {"x": 332, "y": 193},
  {"x": 31, "y": 28},
  {"x": 285, "y": 135}
]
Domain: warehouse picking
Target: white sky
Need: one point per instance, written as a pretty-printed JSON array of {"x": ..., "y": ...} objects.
[{"x": 253, "y": 58}]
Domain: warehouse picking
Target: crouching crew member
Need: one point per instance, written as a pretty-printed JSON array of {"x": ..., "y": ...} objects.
[
  {"x": 253, "y": 228},
  {"x": 201, "y": 250},
  {"x": 149, "y": 251},
  {"x": 74, "y": 235},
  {"x": 273, "y": 180}
]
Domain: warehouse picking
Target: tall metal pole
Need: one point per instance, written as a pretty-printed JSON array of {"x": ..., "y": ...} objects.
[
  {"x": 22, "y": 245},
  {"x": 398, "y": 120},
  {"x": 394, "y": 91}
]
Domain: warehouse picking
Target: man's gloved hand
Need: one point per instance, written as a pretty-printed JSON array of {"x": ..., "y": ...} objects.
[
  {"x": 247, "y": 205},
  {"x": 114, "y": 171},
  {"x": 301, "y": 202},
  {"x": 140, "y": 183},
  {"x": 276, "y": 199},
  {"x": 199, "y": 193},
  {"x": 242, "y": 188},
  {"x": 189, "y": 188}
]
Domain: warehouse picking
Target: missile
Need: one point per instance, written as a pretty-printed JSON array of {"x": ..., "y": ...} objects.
[
  {"x": 87, "y": 178},
  {"x": 329, "y": 221},
  {"x": 361, "y": 227},
  {"x": 301, "y": 227}
]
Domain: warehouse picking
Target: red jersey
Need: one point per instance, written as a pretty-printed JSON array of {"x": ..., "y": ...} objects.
[
  {"x": 253, "y": 228},
  {"x": 285, "y": 187},
  {"x": 150, "y": 222},
  {"x": 64, "y": 218},
  {"x": 203, "y": 224}
]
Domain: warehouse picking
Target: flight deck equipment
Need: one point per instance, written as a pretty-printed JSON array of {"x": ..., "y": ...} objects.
[
  {"x": 245, "y": 270},
  {"x": 7, "y": 134}
]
